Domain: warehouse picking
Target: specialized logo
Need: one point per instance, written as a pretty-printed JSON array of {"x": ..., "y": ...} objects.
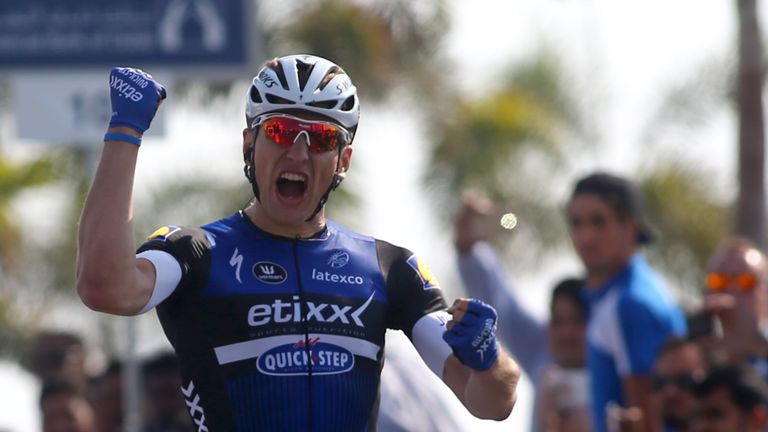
[
  {"x": 344, "y": 85},
  {"x": 339, "y": 259},
  {"x": 236, "y": 262},
  {"x": 283, "y": 312},
  {"x": 428, "y": 281},
  {"x": 269, "y": 272},
  {"x": 296, "y": 359},
  {"x": 267, "y": 79},
  {"x": 163, "y": 233}
]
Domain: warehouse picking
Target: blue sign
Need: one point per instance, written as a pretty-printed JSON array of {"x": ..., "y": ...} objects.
[{"x": 77, "y": 33}]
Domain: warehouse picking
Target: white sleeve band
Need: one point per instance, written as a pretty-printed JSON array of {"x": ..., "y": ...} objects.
[
  {"x": 428, "y": 340},
  {"x": 167, "y": 276}
]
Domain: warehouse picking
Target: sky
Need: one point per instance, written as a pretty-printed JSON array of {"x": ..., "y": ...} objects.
[{"x": 623, "y": 54}]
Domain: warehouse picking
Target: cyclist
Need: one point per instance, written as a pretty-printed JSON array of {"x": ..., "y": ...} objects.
[{"x": 277, "y": 314}]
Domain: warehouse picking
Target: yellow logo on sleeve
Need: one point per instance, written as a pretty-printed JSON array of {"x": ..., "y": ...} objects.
[
  {"x": 428, "y": 281},
  {"x": 163, "y": 233}
]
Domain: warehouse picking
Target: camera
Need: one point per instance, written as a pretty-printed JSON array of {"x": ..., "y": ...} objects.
[{"x": 700, "y": 324}]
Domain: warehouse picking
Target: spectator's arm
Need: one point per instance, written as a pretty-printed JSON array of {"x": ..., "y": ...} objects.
[
  {"x": 637, "y": 389},
  {"x": 524, "y": 336}
]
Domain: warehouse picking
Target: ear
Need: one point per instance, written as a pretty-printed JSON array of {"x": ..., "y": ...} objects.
[
  {"x": 633, "y": 228},
  {"x": 345, "y": 161},
  {"x": 248, "y": 138}
]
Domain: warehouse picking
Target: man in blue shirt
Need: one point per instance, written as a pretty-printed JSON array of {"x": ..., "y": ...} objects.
[{"x": 631, "y": 311}]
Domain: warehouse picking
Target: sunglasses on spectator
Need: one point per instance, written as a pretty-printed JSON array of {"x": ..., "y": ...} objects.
[
  {"x": 284, "y": 130},
  {"x": 720, "y": 281},
  {"x": 683, "y": 381}
]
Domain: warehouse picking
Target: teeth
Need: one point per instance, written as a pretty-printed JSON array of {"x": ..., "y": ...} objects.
[{"x": 294, "y": 177}]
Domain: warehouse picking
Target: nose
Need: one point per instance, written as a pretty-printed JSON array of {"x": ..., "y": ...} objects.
[{"x": 300, "y": 148}]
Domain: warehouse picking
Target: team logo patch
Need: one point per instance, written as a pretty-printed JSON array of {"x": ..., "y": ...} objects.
[
  {"x": 163, "y": 233},
  {"x": 428, "y": 281},
  {"x": 295, "y": 359},
  {"x": 339, "y": 259},
  {"x": 269, "y": 272}
]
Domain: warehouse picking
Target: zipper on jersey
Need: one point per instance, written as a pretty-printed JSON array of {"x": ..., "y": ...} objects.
[{"x": 305, "y": 325}]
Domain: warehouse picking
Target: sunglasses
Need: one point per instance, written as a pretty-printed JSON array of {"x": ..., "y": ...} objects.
[
  {"x": 720, "y": 281},
  {"x": 321, "y": 136},
  {"x": 683, "y": 381}
]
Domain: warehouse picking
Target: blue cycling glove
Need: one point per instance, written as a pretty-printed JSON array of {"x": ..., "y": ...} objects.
[
  {"x": 135, "y": 97},
  {"x": 473, "y": 338}
]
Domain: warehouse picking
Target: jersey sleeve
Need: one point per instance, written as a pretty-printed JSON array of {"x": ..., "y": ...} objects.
[
  {"x": 412, "y": 291},
  {"x": 190, "y": 247}
]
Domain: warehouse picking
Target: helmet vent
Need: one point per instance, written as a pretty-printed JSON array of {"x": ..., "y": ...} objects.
[
  {"x": 279, "y": 100},
  {"x": 348, "y": 104},
  {"x": 332, "y": 72},
  {"x": 303, "y": 70},
  {"x": 255, "y": 95},
  {"x": 278, "y": 68},
  {"x": 328, "y": 104}
]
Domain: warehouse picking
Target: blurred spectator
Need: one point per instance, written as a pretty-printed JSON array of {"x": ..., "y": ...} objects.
[
  {"x": 631, "y": 311},
  {"x": 737, "y": 294},
  {"x": 552, "y": 354},
  {"x": 164, "y": 407},
  {"x": 678, "y": 367},
  {"x": 59, "y": 355},
  {"x": 65, "y": 408},
  {"x": 106, "y": 394},
  {"x": 731, "y": 399}
]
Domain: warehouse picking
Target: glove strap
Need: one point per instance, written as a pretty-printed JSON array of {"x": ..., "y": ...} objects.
[{"x": 119, "y": 136}]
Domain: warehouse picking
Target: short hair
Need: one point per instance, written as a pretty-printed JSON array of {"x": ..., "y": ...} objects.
[
  {"x": 674, "y": 343},
  {"x": 58, "y": 387},
  {"x": 621, "y": 195},
  {"x": 744, "y": 384},
  {"x": 571, "y": 289}
]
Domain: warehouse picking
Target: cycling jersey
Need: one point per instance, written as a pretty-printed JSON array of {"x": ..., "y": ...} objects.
[{"x": 274, "y": 333}]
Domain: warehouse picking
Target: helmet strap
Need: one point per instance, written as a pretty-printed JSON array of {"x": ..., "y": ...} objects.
[
  {"x": 335, "y": 182},
  {"x": 248, "y": 168}
]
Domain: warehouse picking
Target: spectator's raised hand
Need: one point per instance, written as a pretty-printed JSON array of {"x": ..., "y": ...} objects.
[
  {"x": 472, "y": 223},
  {"x": 741, "y": 338}
]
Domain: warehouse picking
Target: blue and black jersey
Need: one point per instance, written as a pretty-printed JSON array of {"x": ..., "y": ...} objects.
[{"x": 274, "y": 333}]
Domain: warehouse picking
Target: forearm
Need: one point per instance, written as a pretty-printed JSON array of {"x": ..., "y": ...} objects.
[
  {"x": 521, "y": 332},
  {"x": 106, "y": 262},
  {"x": 489, "y": 394},
  {"x": 637, "y": 389}
]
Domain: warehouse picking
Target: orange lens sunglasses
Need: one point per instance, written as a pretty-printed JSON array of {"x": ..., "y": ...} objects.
[
  {"x": 322, "y": 136},
  {"x": 720, "y": 281}
]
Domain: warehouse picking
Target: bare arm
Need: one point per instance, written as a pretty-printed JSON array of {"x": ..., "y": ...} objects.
[
  {"x": 489, "y": 394},
  {"x": 109, "y": 277},
  {"x": 637, "y": 389}
]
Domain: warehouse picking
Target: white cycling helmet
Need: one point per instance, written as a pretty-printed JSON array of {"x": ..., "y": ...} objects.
[{"x": 307, "y": 83}]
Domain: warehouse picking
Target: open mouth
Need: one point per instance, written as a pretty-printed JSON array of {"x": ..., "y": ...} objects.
[{"x": 292, "y": 185}]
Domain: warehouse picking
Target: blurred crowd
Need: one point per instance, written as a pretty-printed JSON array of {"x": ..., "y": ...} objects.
[
  {"x": 619, "y": 352},
  {"x": 74, "y": 400}
]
